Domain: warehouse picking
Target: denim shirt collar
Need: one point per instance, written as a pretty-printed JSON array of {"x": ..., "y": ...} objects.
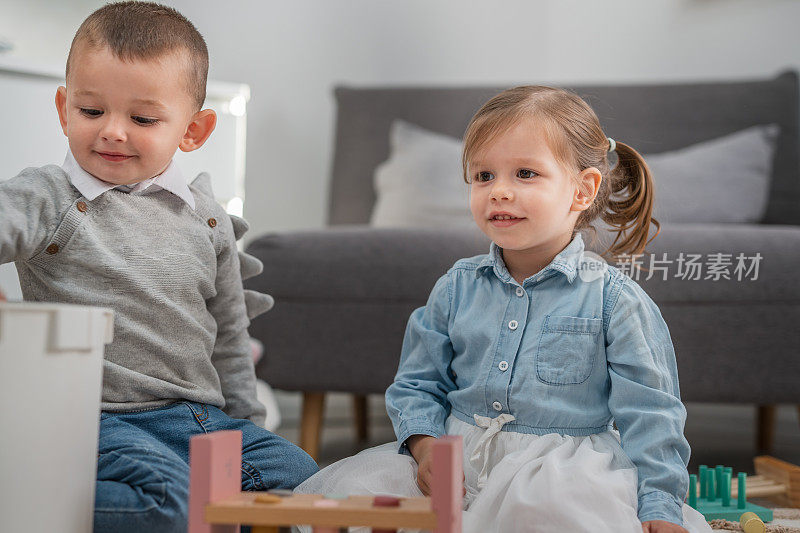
[{"x": 566, "y": 262}]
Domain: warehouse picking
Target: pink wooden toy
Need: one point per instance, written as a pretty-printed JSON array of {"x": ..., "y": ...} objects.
[
  {"x": 215, "y": 474},
  {"x": 217, "y": 504},
  {"x": 448, "y": 483}
]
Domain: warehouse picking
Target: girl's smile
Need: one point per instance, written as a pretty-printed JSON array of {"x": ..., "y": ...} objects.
[{"x": 504, "y": 219}]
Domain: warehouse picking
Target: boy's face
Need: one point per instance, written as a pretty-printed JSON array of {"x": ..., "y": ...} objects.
[{"x": 125, "y": 119}]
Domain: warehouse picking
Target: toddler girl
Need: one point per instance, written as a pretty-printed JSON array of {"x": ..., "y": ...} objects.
[{"x": 532, "y": 351}]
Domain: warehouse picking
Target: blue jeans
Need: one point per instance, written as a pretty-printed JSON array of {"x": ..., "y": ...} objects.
[{"x": 143, "y": 465}]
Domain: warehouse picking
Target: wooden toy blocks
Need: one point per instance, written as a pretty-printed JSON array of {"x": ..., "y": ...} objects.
[{"x": 218, "y": 505}]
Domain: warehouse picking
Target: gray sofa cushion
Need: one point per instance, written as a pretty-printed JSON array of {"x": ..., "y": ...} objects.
[
  {"x": 720, "y": 180},
  {"x": 652, "y": 118},
  {"x": 380, "y": 264},
  {"x": 777, "y": 280},
  {"x": 402, "y": 264},
  {"x": 343, "y": 297},
  {"x": 421, "y": 184},
  {"x": 353, "y": 289}
]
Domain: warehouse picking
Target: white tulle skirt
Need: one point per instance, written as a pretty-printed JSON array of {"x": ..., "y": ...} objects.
[{"x": 515, "y": 482}]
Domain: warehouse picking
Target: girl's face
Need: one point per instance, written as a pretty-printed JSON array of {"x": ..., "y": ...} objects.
[{"x": 520, "y": 196}]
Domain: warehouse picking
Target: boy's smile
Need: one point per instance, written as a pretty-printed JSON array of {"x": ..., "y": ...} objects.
[
  {"x": 113, "y": 156},
  {"x": 126, "y": 118}
]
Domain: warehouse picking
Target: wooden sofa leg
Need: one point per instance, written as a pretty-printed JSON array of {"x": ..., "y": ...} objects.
[
  {"x": 311, "y": 423},
  {"x": 766, "y": 428},
  {"x": 361, "y": 414}
]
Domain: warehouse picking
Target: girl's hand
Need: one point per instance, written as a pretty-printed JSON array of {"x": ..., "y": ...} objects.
[
  {"x": 660, "y": 526},
  {"x": 421, "y": 447}
]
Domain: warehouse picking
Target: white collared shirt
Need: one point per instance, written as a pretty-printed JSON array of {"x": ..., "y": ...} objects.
[{"x": 171, "y": 179}]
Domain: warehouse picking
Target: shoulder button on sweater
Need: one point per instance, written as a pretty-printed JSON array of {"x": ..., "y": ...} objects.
[{"x": 212, "y": 222}]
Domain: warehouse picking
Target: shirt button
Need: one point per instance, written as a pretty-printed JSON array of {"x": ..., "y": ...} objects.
[
  {"x": 520, "y": 291},
  {"x": 503, "y": 365},
  {"x": 81, "y": 206},
  {"x": 513, "y": 325},
  {"x": 212, "y": 222},
  {"x": 52, "y": 249},
  {"x": 497, "y": 406}
]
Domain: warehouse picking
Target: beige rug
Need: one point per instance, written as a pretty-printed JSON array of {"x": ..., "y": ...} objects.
[{"x": 785, "y": 520}]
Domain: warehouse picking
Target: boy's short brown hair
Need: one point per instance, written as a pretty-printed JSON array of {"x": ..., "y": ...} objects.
[{"x": 145, "y": 30}]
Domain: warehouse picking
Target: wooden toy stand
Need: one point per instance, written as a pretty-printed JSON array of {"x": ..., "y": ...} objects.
[
  {"x": 775, "y": 479},
  {"x": 217, "y": 504}
]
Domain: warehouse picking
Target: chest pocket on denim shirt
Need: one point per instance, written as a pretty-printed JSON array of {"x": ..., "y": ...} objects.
[{"x": 567, "y": 349}]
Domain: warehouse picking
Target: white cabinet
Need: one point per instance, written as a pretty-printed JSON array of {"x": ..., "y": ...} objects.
[{"x": 51, "y": 365}]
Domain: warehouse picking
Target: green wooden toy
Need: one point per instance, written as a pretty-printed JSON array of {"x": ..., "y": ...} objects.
[{"x": 714, "y": 498}]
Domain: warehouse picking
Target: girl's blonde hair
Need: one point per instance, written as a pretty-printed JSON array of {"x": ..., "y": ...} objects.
[{"x": 625, "y": 197}]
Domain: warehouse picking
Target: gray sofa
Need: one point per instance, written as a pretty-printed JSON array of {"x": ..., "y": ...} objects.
[{"x": 343, "y": 294}]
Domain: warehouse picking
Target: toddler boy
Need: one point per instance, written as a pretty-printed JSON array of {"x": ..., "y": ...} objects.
[{"x": 117, "y": 226}]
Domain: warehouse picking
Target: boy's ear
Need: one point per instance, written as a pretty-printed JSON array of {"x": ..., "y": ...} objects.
[
  {"x": 61, "y": 107},
  {"x": 588, "y": 185},
  {"x": 197, "y": 132}
]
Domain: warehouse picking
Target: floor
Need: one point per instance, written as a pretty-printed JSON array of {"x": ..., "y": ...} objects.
[{"x": 718, "y": 433}]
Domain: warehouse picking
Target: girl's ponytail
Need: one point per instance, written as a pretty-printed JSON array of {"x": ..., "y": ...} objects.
[{"x": 629, "y": 206}]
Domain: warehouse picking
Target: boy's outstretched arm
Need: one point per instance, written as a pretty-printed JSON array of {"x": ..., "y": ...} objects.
[{"x": 31, "y": 205}]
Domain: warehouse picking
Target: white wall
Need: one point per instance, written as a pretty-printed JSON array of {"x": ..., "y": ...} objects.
[{"x": 292, "y": 53}]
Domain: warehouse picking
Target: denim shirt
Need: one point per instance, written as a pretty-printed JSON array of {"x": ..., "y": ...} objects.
[{"x": 562, "y": 352}]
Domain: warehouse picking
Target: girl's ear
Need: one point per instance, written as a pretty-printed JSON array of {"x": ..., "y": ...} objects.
[
  {"x": 197, "y": 132},
  {"x": 586, "y": 190}
]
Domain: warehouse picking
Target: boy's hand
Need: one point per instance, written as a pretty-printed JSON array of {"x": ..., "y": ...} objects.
[
  {"x": 421, "y": 447},
  {"x": 660, "y": 526},
  {"x": 2, "y": 297}
]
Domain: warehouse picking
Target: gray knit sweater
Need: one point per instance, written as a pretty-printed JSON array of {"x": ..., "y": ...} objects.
[{"x": 170, "y": 273}]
